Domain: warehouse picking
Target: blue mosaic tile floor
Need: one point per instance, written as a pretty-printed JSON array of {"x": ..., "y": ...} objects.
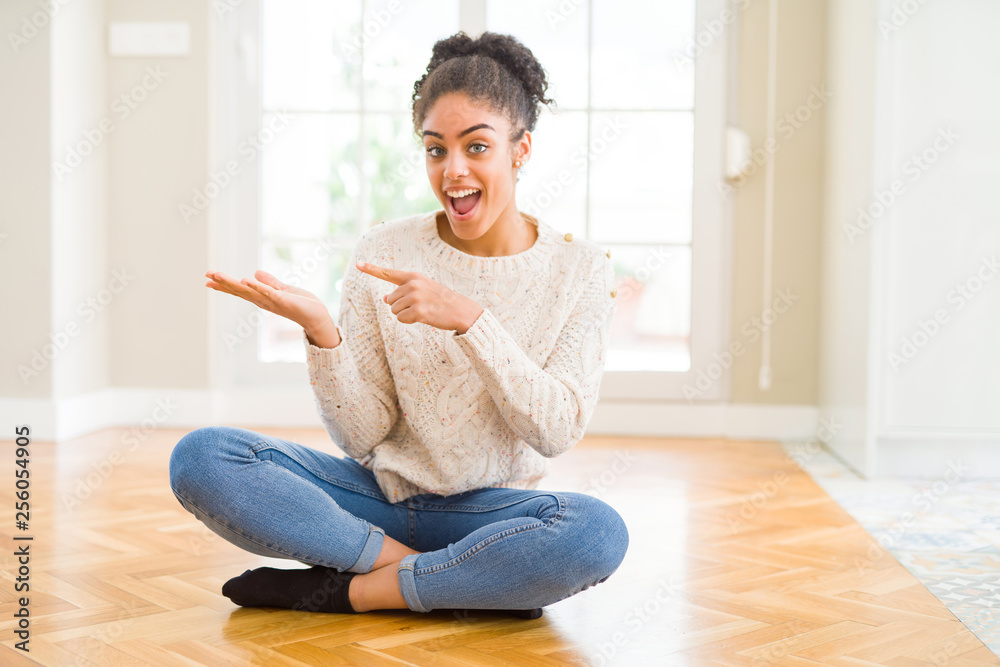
[{"x": 946, "y": 532}]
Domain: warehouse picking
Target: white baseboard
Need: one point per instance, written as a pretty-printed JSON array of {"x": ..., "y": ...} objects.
[
  {"x": 972, "y": 455},
  {"x": 710, "y": 420}
]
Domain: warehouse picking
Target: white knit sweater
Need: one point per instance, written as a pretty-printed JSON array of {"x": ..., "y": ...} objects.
[{"x": 431, "y": 411}]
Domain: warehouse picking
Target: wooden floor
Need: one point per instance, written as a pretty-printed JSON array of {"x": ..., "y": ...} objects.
[{"x": 736, "y": 558}]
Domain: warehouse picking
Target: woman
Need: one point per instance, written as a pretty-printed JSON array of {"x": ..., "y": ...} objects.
[{"x": 469, "y": 350}]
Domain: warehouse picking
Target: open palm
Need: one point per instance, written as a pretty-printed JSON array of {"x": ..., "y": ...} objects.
[{"x": 265, "y": 291}]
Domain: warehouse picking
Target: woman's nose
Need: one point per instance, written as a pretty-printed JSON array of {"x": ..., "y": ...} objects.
[{"x": 455, "y": 168}]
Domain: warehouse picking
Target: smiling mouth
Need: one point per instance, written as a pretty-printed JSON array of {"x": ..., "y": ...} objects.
[{"x": 463, "y": 208}]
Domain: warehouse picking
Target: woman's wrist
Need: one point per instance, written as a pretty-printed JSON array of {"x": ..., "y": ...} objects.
[
  {"x": 469, "y": 317},
  {"x": 325, "y": 335}
]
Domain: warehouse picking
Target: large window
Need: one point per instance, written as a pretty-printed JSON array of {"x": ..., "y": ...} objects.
[{"x": 615, "y": 162}]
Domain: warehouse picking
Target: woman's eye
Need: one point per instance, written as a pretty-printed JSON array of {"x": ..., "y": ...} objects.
[{"x": 430, "y": 150}]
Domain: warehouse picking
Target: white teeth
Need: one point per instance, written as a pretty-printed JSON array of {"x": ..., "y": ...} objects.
[{"x": 462, "y": 193}]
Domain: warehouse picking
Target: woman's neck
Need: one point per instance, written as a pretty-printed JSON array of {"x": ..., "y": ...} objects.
[{"x": 509, "y": 235}]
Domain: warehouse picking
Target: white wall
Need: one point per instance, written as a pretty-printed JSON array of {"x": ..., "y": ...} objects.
[
  {"x": 79, "y": 198},
  {"x": 844, "y": 393},
  {"x": 941, "y": 393},
  {"x": 909, "y": 362},
  {"x": 945, "y": 108},
  {"x": 25, "y": 258},
  {"x": 798, "y": 194},
  {"x": 157, "y": 156}
]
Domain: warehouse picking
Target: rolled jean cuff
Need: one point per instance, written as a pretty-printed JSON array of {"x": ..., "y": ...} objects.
[
  {"x": 407, "y": 584},
  {"x": 370, "y": 552}
]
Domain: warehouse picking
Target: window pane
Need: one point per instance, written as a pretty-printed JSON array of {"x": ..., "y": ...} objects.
[
  {"x": 639, "y": 52},
  {"x": 312, "y": 265},
  {"x": 310, "y": 181},
  {"x": 641, "y": 177},
  {"x": 399, "y": 37},
  {"x": 556, "y": 32},
  {"x": 652, "y": 325},
  {"x": 553, "y": 185},
  {"x": 309, "y": 55},
  {"x": 395, "y": 168}
]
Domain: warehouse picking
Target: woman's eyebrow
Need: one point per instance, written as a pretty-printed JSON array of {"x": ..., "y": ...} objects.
[{"x": 462, "y": 133}]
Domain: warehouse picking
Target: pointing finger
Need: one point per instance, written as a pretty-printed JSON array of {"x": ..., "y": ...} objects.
[{"x": 392, "y": 275}]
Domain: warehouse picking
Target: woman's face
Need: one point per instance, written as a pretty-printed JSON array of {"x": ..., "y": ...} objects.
[{"x": 467, "y": 148}]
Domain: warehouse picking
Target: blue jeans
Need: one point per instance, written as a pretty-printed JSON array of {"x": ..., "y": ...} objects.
[{"x": 489, "y": 548}]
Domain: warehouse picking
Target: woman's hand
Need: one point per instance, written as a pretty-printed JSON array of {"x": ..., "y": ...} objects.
[
  {"x": 267, "y": 292},
  {"x": 420, "y": 299}
]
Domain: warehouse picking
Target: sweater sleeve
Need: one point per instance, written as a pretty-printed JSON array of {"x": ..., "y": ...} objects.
[
  {"x": 353, "y": 387},
  {"x": 549, "y": 408}
]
